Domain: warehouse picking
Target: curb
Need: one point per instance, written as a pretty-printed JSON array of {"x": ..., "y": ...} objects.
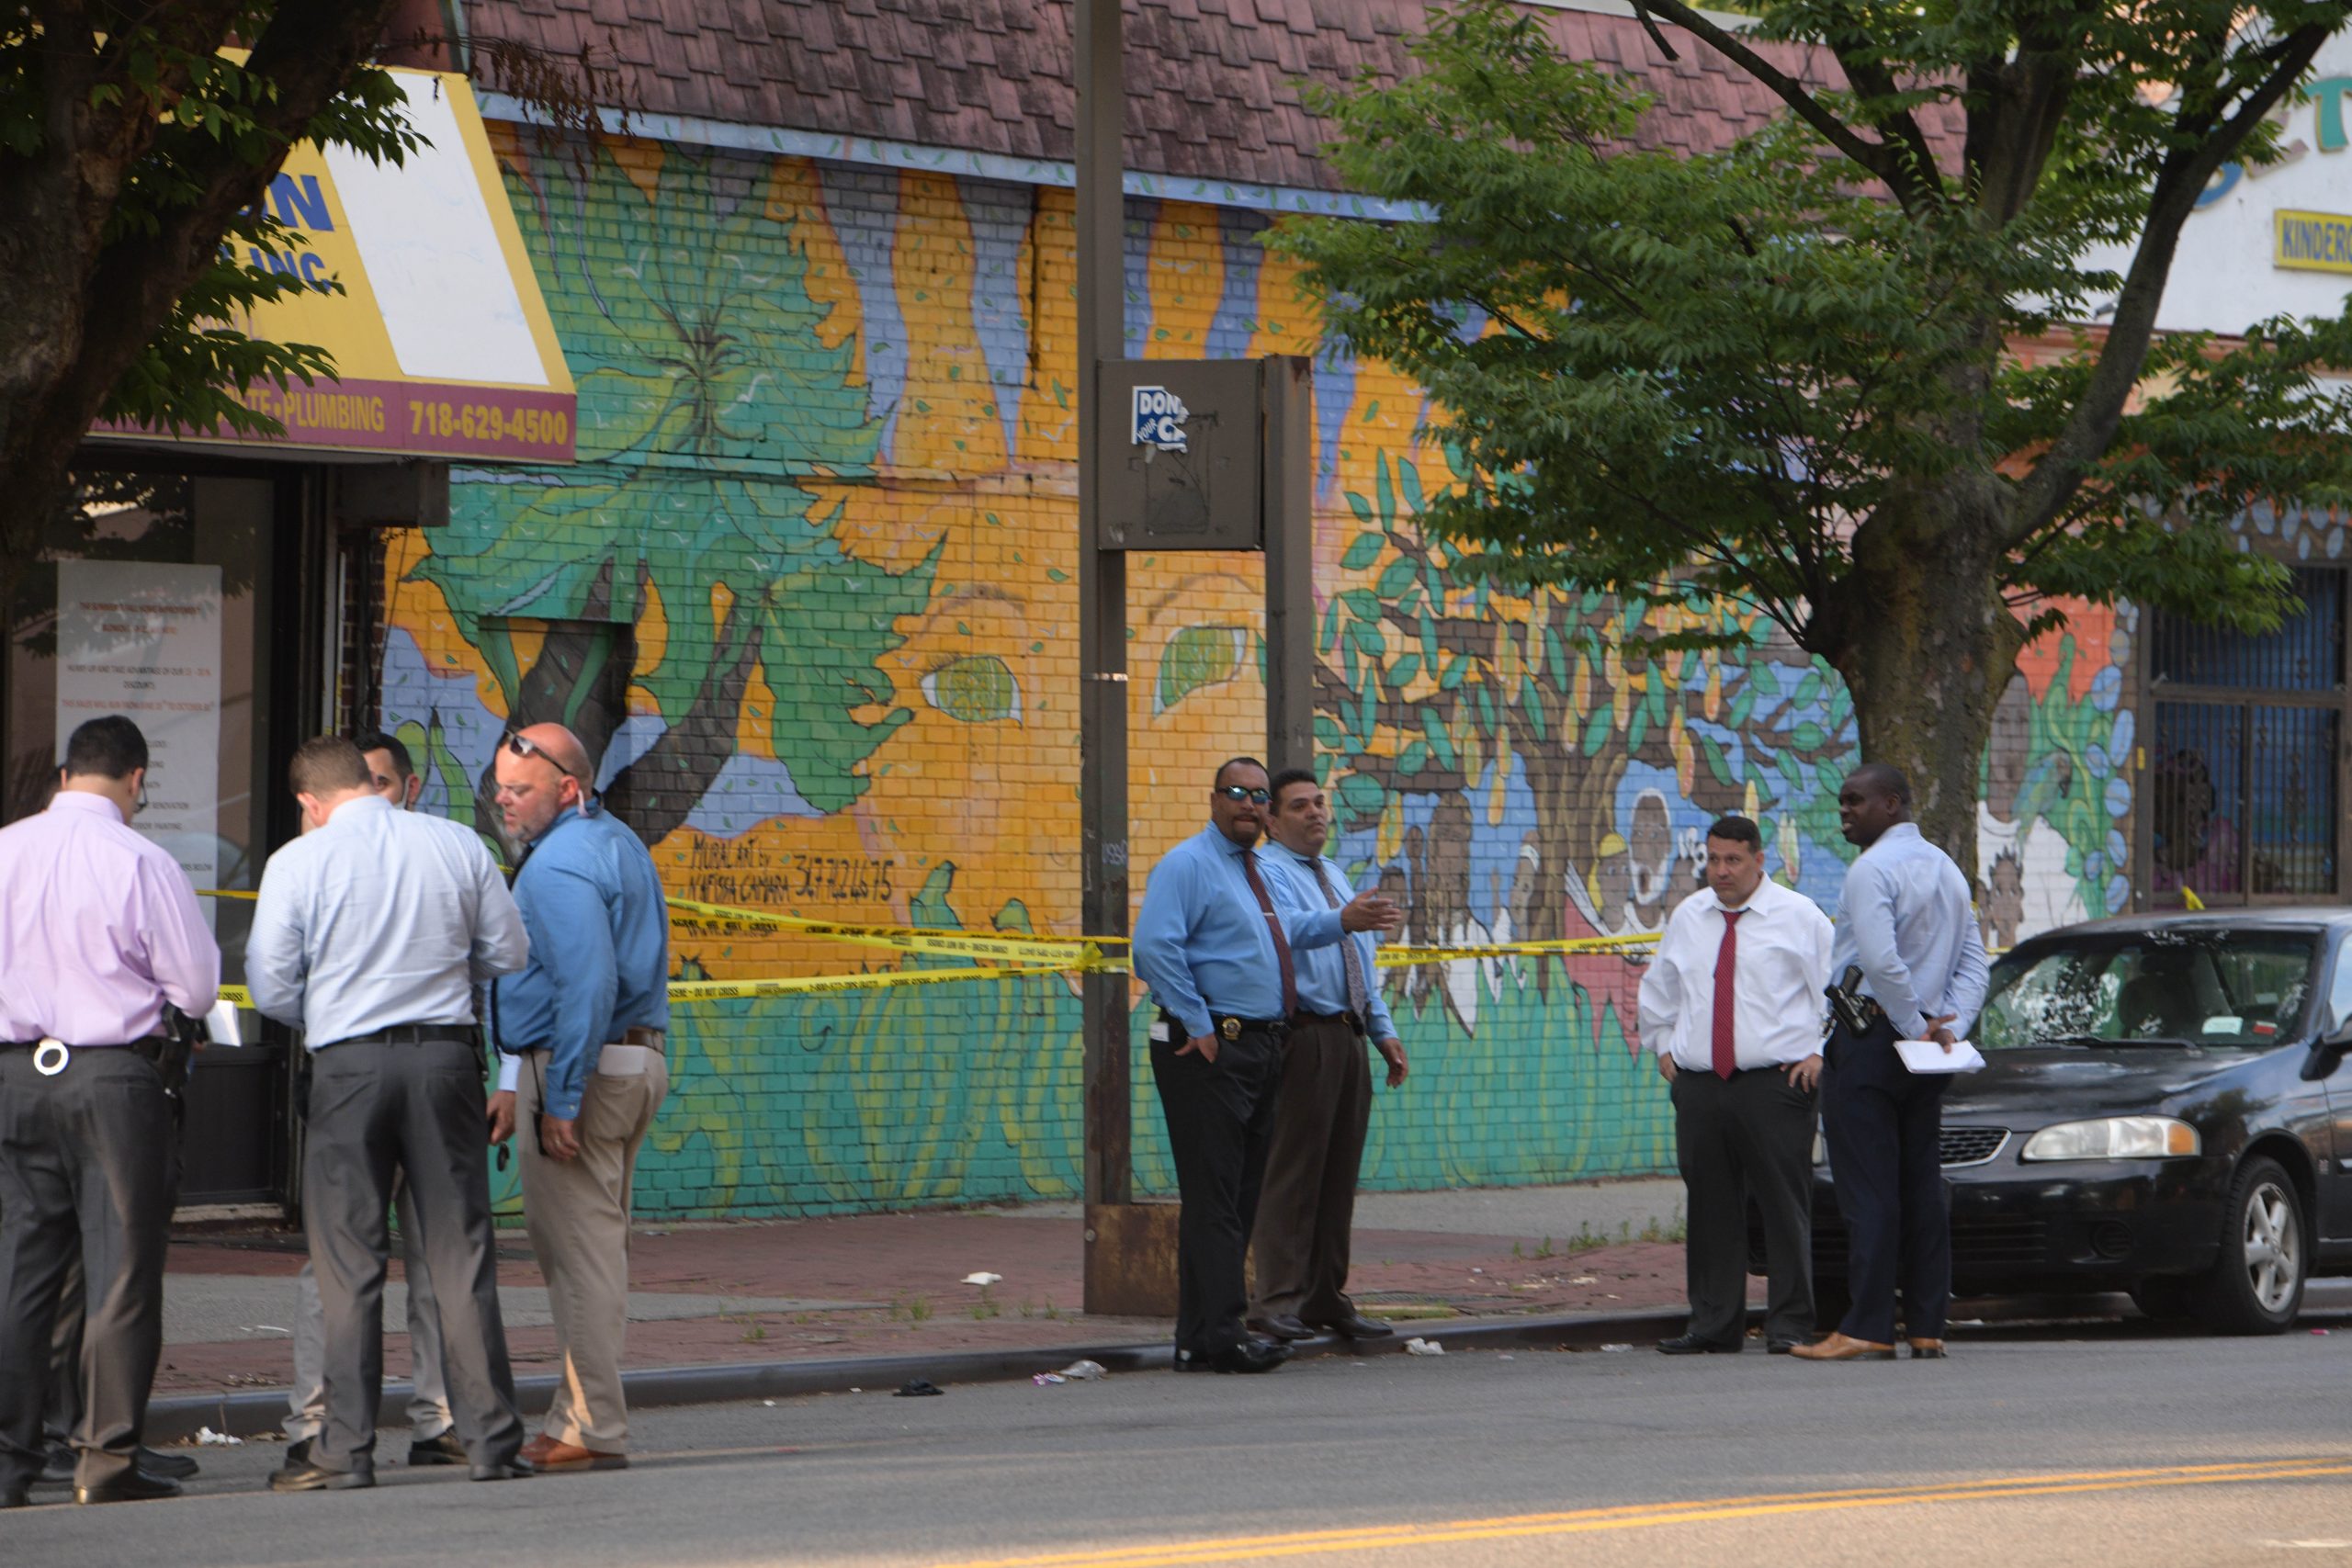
[{"x": 171, "y": 1418}]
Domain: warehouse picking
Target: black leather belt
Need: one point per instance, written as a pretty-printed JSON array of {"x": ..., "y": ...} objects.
[
  {"x": 1235, "y": 1028},
  {"x": 413, "y": 1034},
  {"x": 150, "y": 1047}
]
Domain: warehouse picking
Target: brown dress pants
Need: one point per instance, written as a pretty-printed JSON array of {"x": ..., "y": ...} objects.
[{"x": 1307, "y": 1207}]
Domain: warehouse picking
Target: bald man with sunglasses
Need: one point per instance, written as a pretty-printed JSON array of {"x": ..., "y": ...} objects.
[{"x": 582, "y": 1031}]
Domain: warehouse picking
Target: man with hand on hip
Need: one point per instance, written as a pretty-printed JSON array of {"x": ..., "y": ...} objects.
[
  {"x": 1904, "y": 922},
  {"x": 1307, "y": 1207},
  {"x": 583, "y": 1030},
  {"x": 1731, "y": 1002},
  {"x": 369, "y": 933},
  {"x": 1219, "y": 955},
  {"x": 432, "y": 1429}
]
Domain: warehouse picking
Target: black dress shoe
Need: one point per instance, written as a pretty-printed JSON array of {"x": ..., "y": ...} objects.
[
  {"x": 443, "y": 1449},
  {"x": 1355, "y": 1326},
  {"x": 309, "y": 1477},
  {"x": 1782, "y": 1347},
  {"x": 16, "y": 1497},
  {"x": 1692, "y": 1345},
  {"x": 133, "y": 1487},
  {"x": 56, "y": 1466},
  {"x": 514, "y": 1469},
  {"x": 1250, "y": 1356},
  {"x": 172, "y": 1467},
  {"x": 1283, "y": 1327}
]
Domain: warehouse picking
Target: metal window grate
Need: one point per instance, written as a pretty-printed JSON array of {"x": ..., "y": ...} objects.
[
  {"x": 2305, "y": 654},
  {"x": 2196, "y": 799}
]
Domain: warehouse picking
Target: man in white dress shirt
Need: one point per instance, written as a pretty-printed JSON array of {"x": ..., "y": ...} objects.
[
  {"x": 1732, "y": 1004},
  {"x": 369, "y": 933}
]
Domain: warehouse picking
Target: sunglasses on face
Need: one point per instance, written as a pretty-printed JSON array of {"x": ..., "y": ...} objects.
[{"x": 1235, "y": 792}]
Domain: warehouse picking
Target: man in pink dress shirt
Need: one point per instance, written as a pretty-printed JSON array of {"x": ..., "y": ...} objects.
[{"x": 98, "y": 930}]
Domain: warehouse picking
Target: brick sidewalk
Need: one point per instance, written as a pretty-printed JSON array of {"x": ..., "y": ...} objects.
[{"x": 905, "y": 1273}]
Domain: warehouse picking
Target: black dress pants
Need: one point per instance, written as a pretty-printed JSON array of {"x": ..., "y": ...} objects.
[
  {"x": 1745, "y": 1137},
  {"x": 377, "y": 1107},
  {"x": 1220, "y": 1114},
  {"x": 1884, "y": 1125},
  {"x": 87, "y": 1169}
]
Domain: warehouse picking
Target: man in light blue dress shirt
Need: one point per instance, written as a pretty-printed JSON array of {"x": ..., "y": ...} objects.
[
  {"x": 1220, "y": 960},
  {"x": 1904, "y": 919},
  {"x": 1314, "y": 1152},
  {"x": 370, "y": 934}
]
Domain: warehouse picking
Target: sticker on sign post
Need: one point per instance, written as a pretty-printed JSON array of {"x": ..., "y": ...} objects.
[{"x": 1160, "y": 416}]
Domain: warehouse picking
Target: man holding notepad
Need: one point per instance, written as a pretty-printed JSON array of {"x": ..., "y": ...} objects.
[{"x": 1903, "y": 920}]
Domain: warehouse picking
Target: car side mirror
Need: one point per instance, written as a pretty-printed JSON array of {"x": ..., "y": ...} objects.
[{"x": 2326, "y": 1055}]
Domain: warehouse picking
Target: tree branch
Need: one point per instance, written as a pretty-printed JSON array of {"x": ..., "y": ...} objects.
[
  {"x": 1880, "y": 158},
  {"x": 2186, "y": 170}
]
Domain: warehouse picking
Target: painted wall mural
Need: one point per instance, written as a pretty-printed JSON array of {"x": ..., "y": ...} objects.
[{"x": 808, "y": 594}]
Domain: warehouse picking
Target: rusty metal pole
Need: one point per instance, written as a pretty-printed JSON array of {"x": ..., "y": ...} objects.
[{"x": 1102, "y": 616}]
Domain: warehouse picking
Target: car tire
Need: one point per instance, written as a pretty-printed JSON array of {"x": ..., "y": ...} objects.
[
  {"x": 2257, "y": 1287},
  {"x": 2167, "y": 1298}
]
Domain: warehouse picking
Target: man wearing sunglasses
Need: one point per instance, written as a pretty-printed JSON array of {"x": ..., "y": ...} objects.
[
  {"x": 584, "y": 1028},
  {"x": 1218, "y": 954}
]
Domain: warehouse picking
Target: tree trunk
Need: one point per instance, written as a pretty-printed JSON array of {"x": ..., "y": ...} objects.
[{"x": 1926, "y": 648}]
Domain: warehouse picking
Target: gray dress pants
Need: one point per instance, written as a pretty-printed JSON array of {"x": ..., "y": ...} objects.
[
  {"x": 379, "y": 1108},
  {"x": 428, "y": 1404},
  {"x": 86, "y": 1166}
]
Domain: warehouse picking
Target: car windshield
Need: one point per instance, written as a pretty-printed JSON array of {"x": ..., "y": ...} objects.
[{"x": 2194, "y": 986}]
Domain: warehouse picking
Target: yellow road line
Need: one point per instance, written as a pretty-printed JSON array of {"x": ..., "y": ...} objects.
[{"x": 1645, "y": 1515}]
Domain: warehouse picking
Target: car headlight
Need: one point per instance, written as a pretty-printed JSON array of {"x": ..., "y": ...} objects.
[{"x": 2113, "y": 1137}]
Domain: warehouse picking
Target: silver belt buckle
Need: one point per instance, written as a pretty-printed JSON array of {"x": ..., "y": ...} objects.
[{"x": 50, "y": 1057}]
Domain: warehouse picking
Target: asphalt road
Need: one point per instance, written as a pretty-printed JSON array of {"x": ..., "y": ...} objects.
[{"x": 2101, "y": 1443}]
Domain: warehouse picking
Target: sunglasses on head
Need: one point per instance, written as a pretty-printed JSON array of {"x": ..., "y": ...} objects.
[
  {"x": 523, "y": 746},
  {"x": 1235, "y": 792}
]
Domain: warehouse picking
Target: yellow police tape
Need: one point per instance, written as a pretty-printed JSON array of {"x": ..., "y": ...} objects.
[{"x": 1025, "y": 955}]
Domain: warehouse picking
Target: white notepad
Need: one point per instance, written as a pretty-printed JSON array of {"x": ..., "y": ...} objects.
[{"x": 1926, "y": 1056}]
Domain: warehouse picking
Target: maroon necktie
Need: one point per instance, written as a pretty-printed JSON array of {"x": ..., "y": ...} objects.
[
  {"x": 1726, "y": 967},
  {"x": 1275, "y": 929}
]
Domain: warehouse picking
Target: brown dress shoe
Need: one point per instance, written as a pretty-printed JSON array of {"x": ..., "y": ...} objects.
[
  {"x": 1927, "y": 1350},
  {"x": 571, "y": 1456},
  {"x": 1841, "y": 1347},
  {"x": 536, "y": 1451}
]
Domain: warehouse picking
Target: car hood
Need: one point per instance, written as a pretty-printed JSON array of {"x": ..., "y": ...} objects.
[{"x": 2033, "y": 1088}]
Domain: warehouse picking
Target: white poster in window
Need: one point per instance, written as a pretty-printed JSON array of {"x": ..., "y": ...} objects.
[{"x": 142, "y": 639}]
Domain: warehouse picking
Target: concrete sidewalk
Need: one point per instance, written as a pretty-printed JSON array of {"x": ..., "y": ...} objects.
[{"x": 891, "y": 1286}]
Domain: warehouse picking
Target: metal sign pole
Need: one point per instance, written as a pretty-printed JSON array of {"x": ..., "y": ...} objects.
[{"x": 1102, "y": 613}]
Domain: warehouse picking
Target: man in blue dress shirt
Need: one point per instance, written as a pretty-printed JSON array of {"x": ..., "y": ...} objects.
[
  {"x": 1904, "y": 919},
  {"x": 1316, "y": 1151},
  {"x": 1218, "y": 956},
  {"x": 584, "y": 1028}
]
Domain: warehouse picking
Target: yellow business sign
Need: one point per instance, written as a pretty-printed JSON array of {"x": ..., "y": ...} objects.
[
  {"x": 2310, "y": 241},
  {"x": 443, "y": 346}
]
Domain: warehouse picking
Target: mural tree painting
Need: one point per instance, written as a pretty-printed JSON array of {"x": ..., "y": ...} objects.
[
  {"x": 1780, "y": 377},
  {"x": 705, "y": 394}
]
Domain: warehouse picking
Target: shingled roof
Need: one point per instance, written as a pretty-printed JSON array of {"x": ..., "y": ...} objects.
[{"x": 1212, "y": 80}]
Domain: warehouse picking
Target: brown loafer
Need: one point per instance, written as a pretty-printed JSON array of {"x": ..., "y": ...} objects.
[
  {"x": 1927, "y": 1350},
  {"x": 571, "y": 1456},
  {"x": 1842, "y": 1348}
]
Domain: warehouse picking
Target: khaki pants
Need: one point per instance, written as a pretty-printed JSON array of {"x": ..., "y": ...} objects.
[{"x": 577, "y": 1213}]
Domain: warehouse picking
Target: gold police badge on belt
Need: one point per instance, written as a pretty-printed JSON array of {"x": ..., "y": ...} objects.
[{"x": 1230, "y": 1029}]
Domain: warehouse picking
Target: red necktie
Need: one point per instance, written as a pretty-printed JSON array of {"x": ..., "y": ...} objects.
[
  {"x": 1275, "y": 928},
  {"x": 1726, "y": 967}
]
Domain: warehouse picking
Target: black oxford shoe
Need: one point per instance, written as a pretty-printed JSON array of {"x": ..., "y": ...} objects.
[
  {"x": 172, "y": 1467},
  {"x": 514, "y": 1469},
  {"x": 1692, "y": 1345},
  {"x": 1282, "y": 1327},
  {"x": 309, "y": 1477},
  {"x": 133, "y": 1487},
  {"x": 1782, "y": 1347},
  {"x": 1355, "y": 1326},
  {"x": 1250, "y": 1356}
]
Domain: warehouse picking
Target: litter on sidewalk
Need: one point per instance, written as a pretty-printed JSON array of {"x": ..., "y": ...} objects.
[{"x": 1418, "y": 1347}]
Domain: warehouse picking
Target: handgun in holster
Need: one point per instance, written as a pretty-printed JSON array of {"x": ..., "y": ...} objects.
[
  {"x": 1857, "y": 1012},
  {"x": 182, "y": 1037}
]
